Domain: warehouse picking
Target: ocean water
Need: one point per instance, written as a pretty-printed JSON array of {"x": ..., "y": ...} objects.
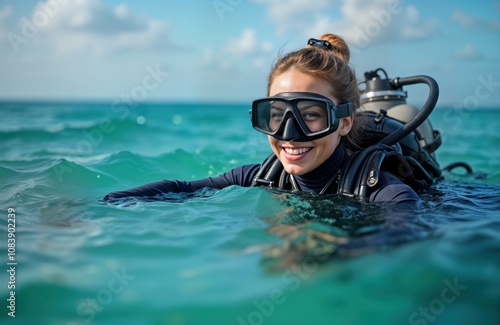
[{"x": 239, "y": 255}]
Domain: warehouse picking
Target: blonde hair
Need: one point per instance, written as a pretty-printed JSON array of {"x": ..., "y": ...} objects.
[{"x": 330, "y": 64}]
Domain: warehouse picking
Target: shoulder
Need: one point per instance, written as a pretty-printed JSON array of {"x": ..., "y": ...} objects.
[{"x": 391, "y": 189}]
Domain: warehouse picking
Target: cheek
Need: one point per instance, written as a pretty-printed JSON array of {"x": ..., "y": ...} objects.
[
  {"x": 328, "y": 144},
  {"x": 273, "y": 143}
]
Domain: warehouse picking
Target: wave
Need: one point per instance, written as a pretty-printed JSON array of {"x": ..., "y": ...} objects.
[{"x": 104, "y": 125}]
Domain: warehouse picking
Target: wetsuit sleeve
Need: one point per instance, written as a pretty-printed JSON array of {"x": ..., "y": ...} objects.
[
  {"x": 241, "y": 176},
  {"x": 391, "y": 189}
]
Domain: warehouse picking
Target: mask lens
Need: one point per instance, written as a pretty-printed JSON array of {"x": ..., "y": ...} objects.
[
  {"x": 269, "y": 114},
  {"x": 314, "y": 114},
  {"x": 277, "y": 111}
]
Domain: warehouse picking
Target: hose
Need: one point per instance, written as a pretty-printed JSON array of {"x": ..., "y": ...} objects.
[{"x": 422, "y": 115}]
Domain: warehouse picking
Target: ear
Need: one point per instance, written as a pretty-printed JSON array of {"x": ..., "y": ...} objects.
[{"x": 345, "y": 125}]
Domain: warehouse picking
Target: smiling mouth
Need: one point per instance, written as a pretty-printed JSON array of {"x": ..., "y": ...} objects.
[{"x": 297, "y": 151}]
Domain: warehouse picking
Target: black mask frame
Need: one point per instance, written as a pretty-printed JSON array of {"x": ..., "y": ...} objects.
[{"x": 292, "y": 127}]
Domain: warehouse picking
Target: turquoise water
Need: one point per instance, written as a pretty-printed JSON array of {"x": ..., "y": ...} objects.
[{"x": 239, "y": 255}]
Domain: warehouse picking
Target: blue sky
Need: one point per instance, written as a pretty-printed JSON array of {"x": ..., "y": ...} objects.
[{"x": 221, "y": 51}]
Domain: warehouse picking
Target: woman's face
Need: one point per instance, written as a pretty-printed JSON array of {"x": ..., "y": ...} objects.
[{"x": 299, "y": 158}]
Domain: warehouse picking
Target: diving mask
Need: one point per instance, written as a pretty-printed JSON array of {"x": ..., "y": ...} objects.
[{"x": 297, "y": 116}]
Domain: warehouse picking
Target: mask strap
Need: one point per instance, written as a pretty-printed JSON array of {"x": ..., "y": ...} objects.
[{"x": 343, "y": 110}]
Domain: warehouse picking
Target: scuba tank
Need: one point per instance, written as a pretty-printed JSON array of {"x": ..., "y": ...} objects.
[
  {"x": 394, "y": 122},
  {"x": 385, "y": 96}
]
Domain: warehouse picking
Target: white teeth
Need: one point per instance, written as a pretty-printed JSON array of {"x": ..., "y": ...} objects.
[{"x": 299, "y": 151}]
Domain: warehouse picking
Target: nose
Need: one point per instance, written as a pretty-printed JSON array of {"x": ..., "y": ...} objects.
[{"x": 291, "y": 131}]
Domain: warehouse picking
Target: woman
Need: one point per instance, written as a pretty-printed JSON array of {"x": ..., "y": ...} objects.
[{"x": 309, "y": 118}]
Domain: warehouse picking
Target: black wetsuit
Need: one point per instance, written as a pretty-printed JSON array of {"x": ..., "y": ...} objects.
[{"x": 388, "y": 188}]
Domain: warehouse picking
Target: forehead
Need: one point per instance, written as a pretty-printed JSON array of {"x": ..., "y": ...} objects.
[{"x": 295, "y": 81}]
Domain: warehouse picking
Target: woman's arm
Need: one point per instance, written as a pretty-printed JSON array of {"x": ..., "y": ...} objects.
[{"x": 241, "y": 176}]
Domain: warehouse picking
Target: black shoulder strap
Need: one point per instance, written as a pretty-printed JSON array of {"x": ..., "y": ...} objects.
[
  {"x": 268, "y": 172},
  {"x": 362, "y": 171},
  {"x": 354, "y": 171},
  {"x": 273, "y": 175}
]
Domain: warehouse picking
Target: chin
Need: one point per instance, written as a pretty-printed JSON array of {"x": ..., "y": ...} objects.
[{"x": 295, "y": 170}]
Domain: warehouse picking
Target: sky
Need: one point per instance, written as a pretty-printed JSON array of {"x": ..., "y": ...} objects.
[{"x": 222, "y": 50}]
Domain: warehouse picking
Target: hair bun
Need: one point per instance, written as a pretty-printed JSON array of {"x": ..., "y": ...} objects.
[{"x": 339, "y": 46}]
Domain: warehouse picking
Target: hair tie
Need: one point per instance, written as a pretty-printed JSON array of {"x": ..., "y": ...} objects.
[{"x": 322, "y": 44}]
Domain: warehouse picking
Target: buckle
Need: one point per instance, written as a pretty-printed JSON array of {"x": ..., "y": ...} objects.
[{"x": 261, "y": 181}]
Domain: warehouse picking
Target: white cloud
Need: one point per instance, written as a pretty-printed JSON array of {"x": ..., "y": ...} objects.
[
  {"x": 292, "y": 14},
  {"x": 369, "y": 22},
  {"x": 5, "y": 13},
  {"x": 471, "y": 22},
  {"x": 212, "y": 60},
  {"x": 360, "y": 22},
  {"x": 266, "y": 46},
  {"x": 239, "y": 62},
  {"x": 91, "y": 28},
  {"x": 468, "y": 52},
  {"x": 412, "y": 27},
  {"x": 463, "y": 18},
  {"x": 247, "y": 44},
  {"x": 260, "y": 62}
]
